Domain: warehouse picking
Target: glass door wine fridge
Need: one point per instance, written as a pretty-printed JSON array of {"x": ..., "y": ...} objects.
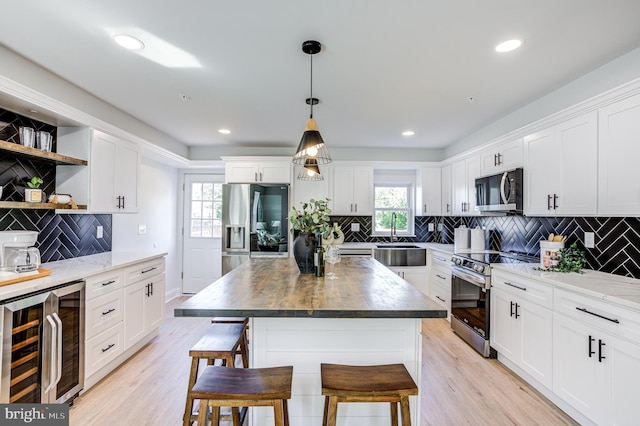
[{"x": 42, "y": 346}]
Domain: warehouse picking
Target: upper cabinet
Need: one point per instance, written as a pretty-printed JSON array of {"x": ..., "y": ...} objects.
[
  {"x": 619, "y": 150},
  {"x": 352, "y": 190},
  {"x": 446, "y": 202},
  {"x": 429, "y": 202},
  {"x": 561, "y": 169},
  {"x": 262, "y": 170},
  {"x": 110, "y": 184},
  {"x": 502, "y": 157},
  {"x": 463, "y": 178}
]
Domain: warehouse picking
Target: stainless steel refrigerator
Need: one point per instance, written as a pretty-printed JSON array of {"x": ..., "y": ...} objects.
[{"x": 254, "y": 222}]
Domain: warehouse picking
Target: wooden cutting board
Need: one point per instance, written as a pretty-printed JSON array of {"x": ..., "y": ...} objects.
[{"x": 41, "y": 273}]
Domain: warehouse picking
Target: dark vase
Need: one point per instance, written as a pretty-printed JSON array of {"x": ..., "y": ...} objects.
[{"x": 304, "y": 246}]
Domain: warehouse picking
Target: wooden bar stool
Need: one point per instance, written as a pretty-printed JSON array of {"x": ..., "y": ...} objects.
[
  {"x": 243, "y": 387},
  {"x": 221, "y": 341},
  {"x": 375, "y": 383},
  {"x": 244, "y": 346}
]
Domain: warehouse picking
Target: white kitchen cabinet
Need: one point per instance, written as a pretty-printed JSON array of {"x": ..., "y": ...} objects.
[
  {"x": 561, "y": 169},
  {"x": 502, "y": 157},
  {"x": 446, "y": 194},
  {"x": 596, "y": 358},
  {"x": 257, "y": 170},
  {"x": 521, "y": 324},
  {"x": 110, "y": 183},
  {"x": 429, "y": 201},
  {"x": 619, "y": 150},
  {"x": 103, "y": 348},
  {"x": 352, "y": 190},
  {"x": 417, "y": 276},
  {"x": 305, "y": 190},
  {"x": 440, "y": 279},
  {"x": 463, "y": 177},
  {"x": 143, "y": 300}
]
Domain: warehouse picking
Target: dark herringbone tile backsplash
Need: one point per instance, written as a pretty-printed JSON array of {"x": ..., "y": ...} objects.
[{"x": 617, "y": 248}]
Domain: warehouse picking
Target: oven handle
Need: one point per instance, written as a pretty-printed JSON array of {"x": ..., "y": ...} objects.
[{"x": 475, "y": 279}]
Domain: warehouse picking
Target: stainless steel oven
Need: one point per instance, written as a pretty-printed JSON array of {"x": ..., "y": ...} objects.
[
  {"x": 470, "y": 294},
  {"x": 470, "y": 309},
  {"x": 43, "y": 345}
]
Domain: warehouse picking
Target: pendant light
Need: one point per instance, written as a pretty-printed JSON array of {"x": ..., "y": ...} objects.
[
  {"x": 311, "y": 145},
  {"x": 310, "y": 170}
]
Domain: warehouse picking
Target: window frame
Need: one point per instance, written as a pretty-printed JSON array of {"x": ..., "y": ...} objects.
[
  {"x": 410, "y": 232},
  {"x": 213, "y": 219}
]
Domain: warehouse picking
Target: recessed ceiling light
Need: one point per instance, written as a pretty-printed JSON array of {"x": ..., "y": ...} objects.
[
  {"x": 34, "y": 111},
  {"x": 408, "y": 133},
  {"x": 224, "y": 131},
  {"x": 128, "y": 41},
  {"x": 508, "y": 46}
]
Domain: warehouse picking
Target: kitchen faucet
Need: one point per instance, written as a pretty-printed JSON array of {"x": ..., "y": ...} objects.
[{"x": 394, "y": 237}]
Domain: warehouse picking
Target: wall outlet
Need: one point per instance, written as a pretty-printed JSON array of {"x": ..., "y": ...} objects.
[
  {"x": 432, "y": 227},
  {"x": 142, "y": 229},
  {"x": 440, "y": 227},
  {"x": 355, "y": 227},
  {"x": 99, "y": 231},
  {"x": 589, "y": 240}
]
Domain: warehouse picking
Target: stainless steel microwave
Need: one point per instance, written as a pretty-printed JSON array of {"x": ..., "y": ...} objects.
[{"x": 500, "y": 193}]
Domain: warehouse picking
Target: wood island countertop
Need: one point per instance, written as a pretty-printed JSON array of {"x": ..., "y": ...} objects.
[{"x": 273, "y": 287}]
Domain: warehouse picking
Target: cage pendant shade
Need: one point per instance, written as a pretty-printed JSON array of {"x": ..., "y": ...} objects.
[
  {"x": 310, "y": 171},
  {"x": 311, "y": 146}
]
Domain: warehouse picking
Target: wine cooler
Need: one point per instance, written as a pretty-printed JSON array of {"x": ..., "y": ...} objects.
[{"x": 42, "y": 346}]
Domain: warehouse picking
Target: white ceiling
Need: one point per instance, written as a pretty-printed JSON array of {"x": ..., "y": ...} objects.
[{"x": 385, "y": 67}]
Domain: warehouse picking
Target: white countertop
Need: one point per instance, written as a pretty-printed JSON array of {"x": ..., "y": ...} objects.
[
  {"x": 613, "y": 288},
  {"x": 64, "y": 271}
]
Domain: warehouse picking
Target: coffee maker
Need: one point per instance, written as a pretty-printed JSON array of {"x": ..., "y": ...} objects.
[{"x": 17, "y": 253}]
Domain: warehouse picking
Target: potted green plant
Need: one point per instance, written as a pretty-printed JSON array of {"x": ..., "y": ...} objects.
[
  {"x": 33, "y": 193},
  {"x": 312, "y": 222}
]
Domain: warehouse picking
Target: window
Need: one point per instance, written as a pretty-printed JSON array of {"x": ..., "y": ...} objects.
[
  {"x": 206, "y": 210},
  {"x": 389, "y": 199}
]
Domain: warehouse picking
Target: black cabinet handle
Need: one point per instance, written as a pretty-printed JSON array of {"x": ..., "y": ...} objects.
[
  {"x": 517, "y": 315},
  {"x": 109, "y": 311},
  {"x": 440, "y": 298},
  {"x": 151, "y": 287},
  {"x": 108, "y": 347},
  {"x": 441, "y": 277},
  {"x": 591, "y": 351},
  {"x": 515, "y": 286},
  {"x": 149, "y": 270},
  {"x": 598, "y": 315},
  {"x": 499, "y": 159},
  {"x": 555, "y": 198},
  {"x": 511, "y": 310},
  {"x": 548, "y": 201},
  {"x": 600, "y": 345},
  {"x": 109, "y": 282},
  {"x": 495, "y": 159}
]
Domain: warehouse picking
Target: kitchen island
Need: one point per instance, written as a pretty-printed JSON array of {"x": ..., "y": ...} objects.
[{"x": 369, "y": 315}]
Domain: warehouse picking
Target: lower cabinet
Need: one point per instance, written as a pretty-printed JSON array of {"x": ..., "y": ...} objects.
[
  {"x": 596, "y": 371},
  {"x": 143, "y": 306},
  {"x": 415, "y": 275},
  {"x": 521, "y": 329},
  {"x": 440, "y": 279},
  {"x": 123, "y": 306}
]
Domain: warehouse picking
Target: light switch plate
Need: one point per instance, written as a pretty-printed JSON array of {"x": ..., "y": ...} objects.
[
  {"x": 355, "y": 227},
  {"x": 432, "y": 227},
  {"x": 589, "y": 240},
  {"x": 99, "y": 231}
]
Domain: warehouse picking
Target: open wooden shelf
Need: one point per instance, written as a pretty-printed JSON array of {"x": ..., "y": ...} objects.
[
  {"x": 39, "y": 155},
  {"x": 25, "y": 205}
]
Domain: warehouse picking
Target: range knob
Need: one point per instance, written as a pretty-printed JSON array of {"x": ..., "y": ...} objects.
[
  {"x": 478, "y": 268},
  {"x": 457, "y": 261}
]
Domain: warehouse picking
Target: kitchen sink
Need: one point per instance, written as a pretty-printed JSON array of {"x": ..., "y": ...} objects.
[{"x": 400, "y": 255}]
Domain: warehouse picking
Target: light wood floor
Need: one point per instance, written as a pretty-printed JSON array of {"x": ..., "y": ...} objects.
[{"x": 458, "y": 387}]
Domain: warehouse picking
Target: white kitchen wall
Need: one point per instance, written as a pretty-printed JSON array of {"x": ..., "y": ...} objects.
[{"x": 158, "y": 212}]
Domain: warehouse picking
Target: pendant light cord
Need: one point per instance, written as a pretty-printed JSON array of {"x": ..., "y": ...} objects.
[{"x": 311, "y": 89}]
